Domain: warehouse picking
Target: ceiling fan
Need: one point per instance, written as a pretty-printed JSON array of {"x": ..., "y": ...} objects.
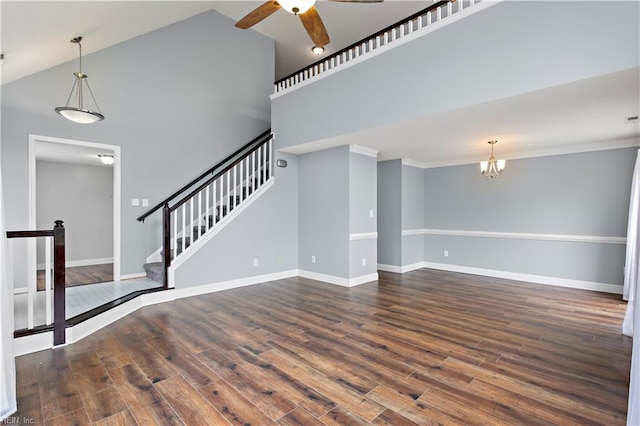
[{"x": 305, "y": 9}]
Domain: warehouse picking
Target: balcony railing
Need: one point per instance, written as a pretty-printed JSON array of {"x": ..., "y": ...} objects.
[{"x": 402, "y": 31}]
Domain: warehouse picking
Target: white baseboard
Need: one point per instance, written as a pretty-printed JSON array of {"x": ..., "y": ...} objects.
[
  {"x": 85, "y": 262},
  {"x": 227, "y": 285},
  {"x": 400, "y": 269},
  {"x": 133, "y": 276},
  {"x": 536, "y": 279},
  {"x": 332, "y": 279}
]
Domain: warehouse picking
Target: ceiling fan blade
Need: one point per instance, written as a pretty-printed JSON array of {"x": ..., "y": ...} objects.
[
  {"x": 258, "y": 14},
  {"x": 315, "y": 27}
]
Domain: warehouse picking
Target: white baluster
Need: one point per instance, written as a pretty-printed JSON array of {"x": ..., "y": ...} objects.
[
  {"x": 47, "y": 279},
  {"x": 235, "y": 187},
  {"x": 175, "y": 234},
  {"x": 450, "y": 8},
  {"x": 190, "y": 224},
  {"x": 199, "y": 213},
  {"x": 401, "y": 31},
  {"x": 259, "y": 184},
  {"x": 214, "y": 207},
  {"x": 30, "y": 296},
  {"x": 226, "y": 196},
  {"x": 419, "y": 22},
  {"x": 438, "y": 13},
  {"x": 184, "y": 225},
  {"x": 253, "y": 170},
  {"x": 270, "y": 158},
  {"x": 207, "y": 209},
  {"x": 247, "y": 183}
]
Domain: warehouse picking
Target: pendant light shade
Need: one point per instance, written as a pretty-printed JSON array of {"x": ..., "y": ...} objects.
[{"x": 77, "y": 111}]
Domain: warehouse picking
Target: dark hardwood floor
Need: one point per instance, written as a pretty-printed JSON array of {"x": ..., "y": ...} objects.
[
  {"x": 81, "y": 275},
  {"x": 426, "y": 347}
]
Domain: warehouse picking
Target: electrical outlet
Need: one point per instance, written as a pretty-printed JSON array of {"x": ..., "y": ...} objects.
[
  {"x": 145, "y": 202},
  {"x": 370, "y": 213},
  {"x": 313, "y": 259},
  {"x": 446, "y": 253},
  {"x": 255, "y": 262}
]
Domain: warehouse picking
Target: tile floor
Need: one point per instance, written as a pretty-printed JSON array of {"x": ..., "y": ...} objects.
[{"x": 79, "y": 299}]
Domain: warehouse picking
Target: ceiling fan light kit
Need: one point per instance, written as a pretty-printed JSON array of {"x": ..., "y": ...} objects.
[
  {"x": 296, "y": 6},
  {"x": 317, "y": 50},
  {"x": 304, "y": 9},
  {"x": 78, "y": 113}
]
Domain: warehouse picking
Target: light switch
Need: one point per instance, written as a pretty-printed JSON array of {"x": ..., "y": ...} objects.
[
  {"x": 135, "y": 202},
  {"x": 145, "y": 202},
  {"x": 370, "y": 213}
]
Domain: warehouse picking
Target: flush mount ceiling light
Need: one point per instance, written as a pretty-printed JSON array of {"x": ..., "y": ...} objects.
[
  {"x": 107, "y": 159},
  {"x": 317, "y": 50},
  {"x": 78, "y": 113},
  {"x": 492, "y": 168}
]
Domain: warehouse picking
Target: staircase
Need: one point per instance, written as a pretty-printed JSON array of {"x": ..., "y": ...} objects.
[{"x": 209, "y": 203}]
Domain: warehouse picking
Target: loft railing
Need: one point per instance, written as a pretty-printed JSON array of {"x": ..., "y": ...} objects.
[
  {"x": 53, "y": 314},
  {"x": 415, "y": 23},
  {"x": 200, "y": 206}
]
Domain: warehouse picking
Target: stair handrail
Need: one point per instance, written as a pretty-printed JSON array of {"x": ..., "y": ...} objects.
[
  {"x": 256, "y": 141},
  {"x": 218, "y": 175},
  {"x": 59, "y": 281}
]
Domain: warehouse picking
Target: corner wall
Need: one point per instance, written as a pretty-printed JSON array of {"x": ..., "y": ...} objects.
[{"x": 337, "y": 216}]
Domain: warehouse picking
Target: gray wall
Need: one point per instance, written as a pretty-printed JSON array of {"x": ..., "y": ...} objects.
[
  {"x": 82, "y": 196},
  {"x": 267, "y": 230},
  {"x": 389, "y": 217},
  {"x": 466, "y": 63},
  {"x": 362, "y": 200},
  {"x": 176, "y": 100},
  {"x": 575, "y": 194},
  {"x": 323, "y": 213},
  {"x": 413, "y": 205}
]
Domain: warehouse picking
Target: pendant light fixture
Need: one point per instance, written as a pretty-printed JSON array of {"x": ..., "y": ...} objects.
[
  {"x": 492, "y": 168},
  {"x": 79, "y": 113}
]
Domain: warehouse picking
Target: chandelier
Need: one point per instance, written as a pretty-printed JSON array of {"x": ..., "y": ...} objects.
[
  {"x": 77, "y": 112},
  {"x": 492, "y": 168}
]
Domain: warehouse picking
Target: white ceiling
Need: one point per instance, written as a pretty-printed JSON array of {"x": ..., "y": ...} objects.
[
  {"x": 35, "y": 36},
  {"x": 64, "y": 153}
]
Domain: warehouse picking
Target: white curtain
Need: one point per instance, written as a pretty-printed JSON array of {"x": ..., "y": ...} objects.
[
  {"x": 7, "y": 361},
  {"x": 630, "y": 293}
]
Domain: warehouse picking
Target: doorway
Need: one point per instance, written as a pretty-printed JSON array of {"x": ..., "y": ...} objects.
[{"x": 57, "y": 156}]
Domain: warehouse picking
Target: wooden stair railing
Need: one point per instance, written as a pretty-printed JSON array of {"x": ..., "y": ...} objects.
[
  {"x": 59, "y": 314},
  {"x": 197, "y": 207}
]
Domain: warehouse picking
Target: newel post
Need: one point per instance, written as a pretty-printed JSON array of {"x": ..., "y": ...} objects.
[
  {"x": 59, "y": 314},
  {"x": 166, "y": 243}
]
